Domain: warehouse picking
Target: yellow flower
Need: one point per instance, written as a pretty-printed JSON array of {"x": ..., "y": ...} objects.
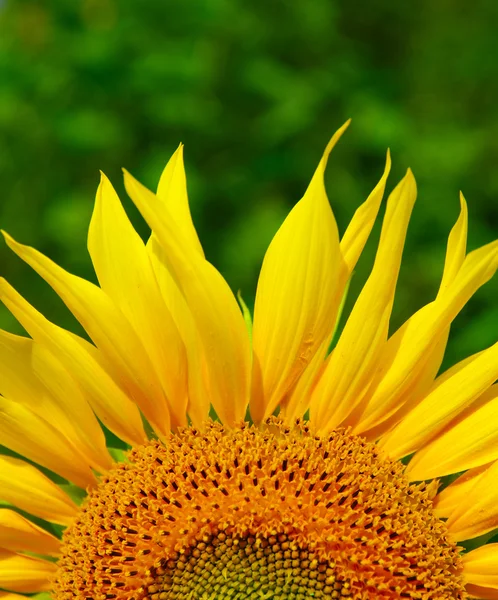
[{"x": 320, "y": 475}]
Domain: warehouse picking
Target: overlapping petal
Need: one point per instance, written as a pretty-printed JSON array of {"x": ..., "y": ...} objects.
[
  {"x": 352, "y": 243},
  {"x": 172, "y": 194},
  {"x": 413, "y": 355},
  {"x": 484, "y": 593},
  {"x": 410, "y": 361},
  {"x": 30, "y": 435},
  {"x": 20, "y": 535},
  {"x": 445, "y": 401},
  {"x": 25, "y": 574},
  {"x": 85, "y": 363},
  {"x": 355, "y": 358},
  {"x": 452, "y": 495},
  {"x": 219, "y": 322},
  {"x": 477, "y": 512},
  {"x": 480, "y": 571},
  {"x": 470, "y": 440},
  {"x": 125, "y": 273},
  {"x": 107, "y": 327},
  {"x": 25, "y": 487},
  {"x": 34, "y": 377}
]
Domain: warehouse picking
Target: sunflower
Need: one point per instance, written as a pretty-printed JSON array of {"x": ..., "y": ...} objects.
[{"x": 186, "y": 452}]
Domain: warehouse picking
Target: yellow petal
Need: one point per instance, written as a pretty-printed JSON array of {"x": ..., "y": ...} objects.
[
  {"x": 125, "y": 273},
  {"x": 297, "y": 402},
  {"x": 24, "y": 486},
  {"x": 35, "y": 378},
  {"x": 219, "y": 322},
  {"x": 77, "y": 419},
  {"x": 198, "y": 399},
  {"x": 445, "y": 401},
  {"x": 296, "y": 305},
  {"x": 484, "y": 593},
  {"x": 413, "y": 355},
  {"x": 352, "y": 243},
  {"x": 457, "y": 247},
  {"x": 17, "y": 534},
  {"x": 470, "y": 440},
  {"x": 354, "y": 359},
  {"x": 386, "y": 418},
  {"x": 86, "y": 365},
  {"x": 107, "y": 327},
  {"x": 10, "y": 596},
  {"x": 35, "y": 438},
  {"x": 479, "y": 568},
  {"x": 25, "y": 574},
  {"x": 415, "y": 395},
  {"x": 172, "y": 190},
  {"x": 407, "y": 368},
  {"x": 452, "y": 495},
  {"x": 354, "y": 239},
  {"x": 172, "y": 193},
  {"x": 477, "y": 512}
]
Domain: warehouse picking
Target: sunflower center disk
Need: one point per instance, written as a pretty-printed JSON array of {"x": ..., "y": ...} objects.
[
  {"x": 252, "y": 568},
  {"x": 258, "y": 513}
]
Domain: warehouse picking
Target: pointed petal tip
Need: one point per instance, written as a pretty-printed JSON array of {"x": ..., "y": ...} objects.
[
  {"x": 129, "y": 180},
  {"x": 320, "y": 170},
  {"x": 104, "y": 184},
  {"x": 463, "y": 202},
  {"x": 410, "y": 178},
  {"x": 10, "y": 241},
  {"x": 333, "y": 141},
  {"x": 16, "y": 246}
]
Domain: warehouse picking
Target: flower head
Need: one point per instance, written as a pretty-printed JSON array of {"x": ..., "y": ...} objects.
[{"x": 262, "y": 463}]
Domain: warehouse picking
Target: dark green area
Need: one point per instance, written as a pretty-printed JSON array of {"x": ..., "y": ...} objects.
[{"x": 254, "y": 90}]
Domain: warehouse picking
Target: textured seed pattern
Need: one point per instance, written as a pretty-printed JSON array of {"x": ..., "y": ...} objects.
[
  {"x": 245, "y": 569},
  {"x": 238, "y": 504}
]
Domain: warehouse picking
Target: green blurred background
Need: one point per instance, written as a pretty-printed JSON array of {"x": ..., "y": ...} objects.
[{"x": 254, "y": 90}]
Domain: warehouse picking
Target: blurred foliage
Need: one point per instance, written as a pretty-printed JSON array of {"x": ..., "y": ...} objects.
[{"x": 254, "y": 90}]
